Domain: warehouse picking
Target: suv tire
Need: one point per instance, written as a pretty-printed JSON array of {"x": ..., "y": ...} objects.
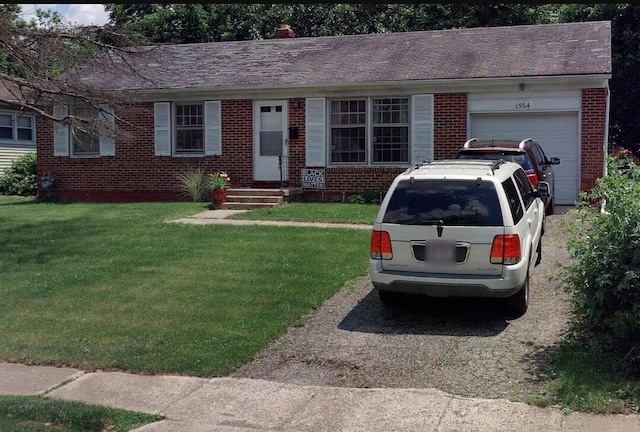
[{"x": 518, "y": 303}]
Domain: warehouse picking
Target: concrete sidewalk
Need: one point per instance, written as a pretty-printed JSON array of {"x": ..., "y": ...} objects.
[
  {"x": 244, "y": 405},
  {"x": 218, "y": 217}
]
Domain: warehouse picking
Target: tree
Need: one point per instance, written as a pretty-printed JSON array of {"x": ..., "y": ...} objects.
[
  {"x": 38, "y": 61},
  {"x": 624, "y": 130}
]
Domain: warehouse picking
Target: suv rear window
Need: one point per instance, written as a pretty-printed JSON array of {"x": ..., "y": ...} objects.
[
  {"x": 521, "y": 159},
  {"x": 447, "y": 202}
]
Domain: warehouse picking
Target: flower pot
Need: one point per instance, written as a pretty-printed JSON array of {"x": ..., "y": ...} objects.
[{"x": 218, "y": 196}]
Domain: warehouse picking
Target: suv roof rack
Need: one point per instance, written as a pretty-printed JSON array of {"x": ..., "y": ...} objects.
[
  {"x": 524, "y": 142},
  {"x": 416, "y": 166}
]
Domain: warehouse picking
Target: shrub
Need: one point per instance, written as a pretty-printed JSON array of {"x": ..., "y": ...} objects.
[
  {"x": 21, "y": 177},
  {"x": 366, "y": 197},
  {"x": 604, "y": 274},
  {"x": 194, "y": 184}
]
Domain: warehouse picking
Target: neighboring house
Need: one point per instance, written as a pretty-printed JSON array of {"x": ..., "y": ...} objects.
[
  {"x": 347, "y": 113},
  {"x": 17, "y": 131}
]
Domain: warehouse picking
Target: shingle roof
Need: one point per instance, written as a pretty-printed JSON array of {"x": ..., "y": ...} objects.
[{"x": 488, "y": 52}]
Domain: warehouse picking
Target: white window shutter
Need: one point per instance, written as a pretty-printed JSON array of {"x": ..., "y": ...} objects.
[
  {"x": 421, "y": 128},
  {"x": 316, "y": 132},
  {"x": 162, "y": 128},
  {"x": 107, "y": 140},
  {"x": 212, "y": 128},
  {"x": 60, "y": 132}
]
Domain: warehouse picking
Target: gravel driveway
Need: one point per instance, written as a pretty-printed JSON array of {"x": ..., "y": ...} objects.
[{"x": 461, "y": 346}]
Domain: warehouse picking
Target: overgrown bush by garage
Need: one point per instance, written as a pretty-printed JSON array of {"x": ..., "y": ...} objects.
[
  {"x": 21, "y": 177},
  {"x": 604, "y": 274}
]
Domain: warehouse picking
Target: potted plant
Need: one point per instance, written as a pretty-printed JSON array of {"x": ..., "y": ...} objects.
[{"x": 219, "y": 182}]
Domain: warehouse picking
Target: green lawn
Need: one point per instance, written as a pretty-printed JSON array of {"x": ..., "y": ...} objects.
[
  {"x": 316, "y": 212},
  {"x": 112, "y": 285},
  {"x": 39, "y": 414}
]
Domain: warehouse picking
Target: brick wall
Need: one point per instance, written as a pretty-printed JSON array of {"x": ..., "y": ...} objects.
[
  {"x": 136, "y": 174},
  {"x": 593, "y": 135}
]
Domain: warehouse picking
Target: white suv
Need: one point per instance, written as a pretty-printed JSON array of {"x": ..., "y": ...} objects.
[{"x": 459, "y": 228}]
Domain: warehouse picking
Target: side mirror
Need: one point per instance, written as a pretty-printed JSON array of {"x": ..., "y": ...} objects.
[
  {"x": 543, "y": 190},
  {"x": 554, "y": 161}
]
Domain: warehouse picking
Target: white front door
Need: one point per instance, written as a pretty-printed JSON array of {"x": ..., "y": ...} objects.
[{"x": 269, "y": 139}]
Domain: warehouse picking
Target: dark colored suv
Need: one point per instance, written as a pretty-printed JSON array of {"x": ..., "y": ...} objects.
[{"x": 527, "y": 153}]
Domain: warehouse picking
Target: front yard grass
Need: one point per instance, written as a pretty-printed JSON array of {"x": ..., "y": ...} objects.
[
  {"x": 315, "y": 212},
  {"x": 40, "y": 414},
  {"x": 101, "y": 286}
]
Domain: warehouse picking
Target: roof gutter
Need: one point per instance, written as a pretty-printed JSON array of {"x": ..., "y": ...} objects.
[{"x": 378, "y": 87}]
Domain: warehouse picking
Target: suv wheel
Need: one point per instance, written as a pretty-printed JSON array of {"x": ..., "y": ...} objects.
[
  {"x": 518, "y": 303},
  {"x": 550, "y": 209},
  {"x": 389, "y": 298}
]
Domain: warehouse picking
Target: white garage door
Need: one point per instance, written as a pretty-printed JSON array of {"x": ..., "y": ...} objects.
[{"x": 557, "y": 133}]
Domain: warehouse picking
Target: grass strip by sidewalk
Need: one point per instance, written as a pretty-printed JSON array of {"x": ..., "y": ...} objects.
[
  {"x": 113, "y": 286},
  {"x": 40, "y": 414},
  {"x": 315, "y": 212}
]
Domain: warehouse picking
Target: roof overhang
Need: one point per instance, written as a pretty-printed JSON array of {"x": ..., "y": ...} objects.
[{"x": 381, "y": 88}]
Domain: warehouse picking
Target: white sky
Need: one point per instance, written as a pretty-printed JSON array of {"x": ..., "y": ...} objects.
[{"x": 83, "y": 14}]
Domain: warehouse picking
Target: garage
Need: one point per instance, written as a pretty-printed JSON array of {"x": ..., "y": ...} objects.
[{"x": 557, "y": 132}]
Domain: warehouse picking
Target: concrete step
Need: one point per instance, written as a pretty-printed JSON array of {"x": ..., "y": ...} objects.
[
  {"x": 246, "y": 205},
  {"x": 267, "y": 199}
]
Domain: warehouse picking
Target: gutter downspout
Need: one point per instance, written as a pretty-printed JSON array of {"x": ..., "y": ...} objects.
[{"x": 606, "y": 128}]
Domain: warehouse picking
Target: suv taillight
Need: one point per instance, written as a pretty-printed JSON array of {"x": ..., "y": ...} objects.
[
  {"x": 533, "y": 178},
  {"x": 505, "y": 249},
  {"x": 381, "y": 245}
]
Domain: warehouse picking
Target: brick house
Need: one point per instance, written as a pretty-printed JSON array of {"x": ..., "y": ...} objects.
[{"x": 339, "y": 115}]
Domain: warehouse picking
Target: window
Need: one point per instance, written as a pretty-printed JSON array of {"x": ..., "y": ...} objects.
[
  {"x": 189, "y": 129},
  {"x": 514, "y": 201},
  {"x": 16, "y": 127},
  {"x": 85, "y": 140},
  {"x": 388, "y": 129},
  {"x": 446, "y": 202},
  {"x": 348, "y": 131},
  {"x": 524, "y": 185}
]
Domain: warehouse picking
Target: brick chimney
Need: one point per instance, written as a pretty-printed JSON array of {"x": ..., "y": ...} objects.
[{"x": 284, "y": 32}]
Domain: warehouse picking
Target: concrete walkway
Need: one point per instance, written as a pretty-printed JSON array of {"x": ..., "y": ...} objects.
[
  {"x": 243, "y": 405},
  {"x": 218, "y": 217},
  {"x": 192, "y": 404}
]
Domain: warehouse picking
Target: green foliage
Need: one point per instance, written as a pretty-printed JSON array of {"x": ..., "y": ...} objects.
[
  {"x": 40, "y": 414},
  {"x": 604, "y": 275},
  {"x": 368, "y": 196},
  {"x": 194, "y": 184},
  {"x": 21, "y": 177}
]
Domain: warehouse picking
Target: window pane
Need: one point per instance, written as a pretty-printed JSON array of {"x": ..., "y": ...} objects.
[
  {"x": 25, "y": 134},
  {"x": 189, "y": 141},
  {"x": 189, "y": 128},
  {"x": 5, "y": 120},
  {"x": 390, "y": 144},
  {"x": 6, "y": 132},
  {"x": 270, "y": 143},
  {"x": 24, "y": 122}
]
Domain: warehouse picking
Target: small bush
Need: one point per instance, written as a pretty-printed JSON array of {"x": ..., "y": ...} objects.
[
  {"x": 604, "y": 275},
  {"x": 194, "y": 184},
  {"x": 368, "y": 196},
  {"x": 21, "y": 177}
]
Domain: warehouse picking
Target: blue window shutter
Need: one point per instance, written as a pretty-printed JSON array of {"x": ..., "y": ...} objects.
[
  {"x": 60, "y": 132},
  {"x": 162, "y": 128},
  {"x": 107, "y": 139},
  {"x": 316, "y": 132},
  {"x": 421, "y": 128},
  {"x": 212, "y": 128}
]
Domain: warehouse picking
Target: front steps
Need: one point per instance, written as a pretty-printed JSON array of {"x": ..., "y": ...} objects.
[{"x": 252, "y": 198}]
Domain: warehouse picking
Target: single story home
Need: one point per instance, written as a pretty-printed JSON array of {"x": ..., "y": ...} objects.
[
  {"x": 338, "y": 115},
  {"x": 17, "y": 129}
]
